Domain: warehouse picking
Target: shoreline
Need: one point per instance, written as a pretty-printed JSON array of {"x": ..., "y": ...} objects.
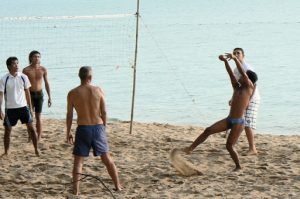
[
  {"x": 142, "y": 159},
  {"x": 112, "y": 120}
]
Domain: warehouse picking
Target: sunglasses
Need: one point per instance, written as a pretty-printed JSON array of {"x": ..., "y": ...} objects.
[{"x": 236, "y": 53}]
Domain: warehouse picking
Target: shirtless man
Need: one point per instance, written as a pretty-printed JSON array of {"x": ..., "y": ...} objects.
[
  {"x": 242, "y": 92},
  {"x": 36, "y": 73},
  {"x": 89, "y": 104}
]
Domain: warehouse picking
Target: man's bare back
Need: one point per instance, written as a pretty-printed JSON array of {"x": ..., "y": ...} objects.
[{"x": 88, "y": 102}]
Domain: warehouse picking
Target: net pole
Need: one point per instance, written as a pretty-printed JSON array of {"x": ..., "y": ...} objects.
[{"x": 134, "y": 65}]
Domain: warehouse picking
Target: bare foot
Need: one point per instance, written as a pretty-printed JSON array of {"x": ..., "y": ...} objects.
[
  {"x": 119, "y": 188},
  {"x": 37, "y": 153},
  {"x": 4, "y": 155},
  {"x": 76, "y": 192},
  {"x": 252, "y": 152},
  {"x": 237, "y": 168},
  {"x": 187, "y": 150}
]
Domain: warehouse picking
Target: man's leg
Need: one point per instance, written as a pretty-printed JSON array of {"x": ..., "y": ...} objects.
[
  {"x": 112, "y": 170},
  {"x": 250, "y": 138},
  {"x": 217, "y": 127},
  {"x": 234, "y": 134},
  {"x": 38, "y": 125},
  {"x": 77, "y": 169},
  {"x": 6, "y": 138},
  {"x": 33, "y": 137},
  {"x": 250, "y": 125}
]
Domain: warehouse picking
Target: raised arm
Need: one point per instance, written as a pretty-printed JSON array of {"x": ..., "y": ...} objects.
[
  {"x": 233, "y": 80},
  {"x": 47, "y": 87},
  {"x": 238, "y": 65}
]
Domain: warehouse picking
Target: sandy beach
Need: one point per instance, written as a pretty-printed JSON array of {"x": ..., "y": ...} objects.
[{"x": 143, "y": 161}]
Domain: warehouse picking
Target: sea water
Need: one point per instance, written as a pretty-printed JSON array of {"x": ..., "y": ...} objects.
[{"x": 179, "y": 77}]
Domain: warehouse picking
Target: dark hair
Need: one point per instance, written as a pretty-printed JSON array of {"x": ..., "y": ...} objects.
[
  {"x": 9, "y": 61},
  {"x": 31, "y": 55},
  {"x": 252, "y": 76},
  {"x": 239, "y": 49},
  {"x": 84, "y": 72}
]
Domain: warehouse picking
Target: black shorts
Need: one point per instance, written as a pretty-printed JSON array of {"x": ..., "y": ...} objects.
[
  {"x": 14, "y": 114},
  {"x": 37, "y": 99}
]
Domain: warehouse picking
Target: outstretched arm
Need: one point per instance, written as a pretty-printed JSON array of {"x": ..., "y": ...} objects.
[
  {"x": 238, "y": 65},
  {"x": 233, "y": 80}
]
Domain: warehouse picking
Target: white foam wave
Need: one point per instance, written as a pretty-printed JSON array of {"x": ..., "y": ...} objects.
[{"x": 28, "y": 18}]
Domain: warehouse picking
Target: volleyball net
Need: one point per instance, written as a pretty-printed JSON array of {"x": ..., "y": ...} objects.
[{"x": 104, "y": 42}]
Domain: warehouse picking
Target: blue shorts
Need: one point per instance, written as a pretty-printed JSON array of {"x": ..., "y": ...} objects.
[
  {"x": 12, "y": 116},
  {"x": 90, "y": 136}
]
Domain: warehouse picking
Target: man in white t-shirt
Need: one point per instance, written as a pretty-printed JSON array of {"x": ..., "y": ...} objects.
[
  {"x": 14, "y": 86},
  {"x": 252, "y": 110}
]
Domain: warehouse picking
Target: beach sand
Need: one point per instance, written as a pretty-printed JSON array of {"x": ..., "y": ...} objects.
[{"x": 143, "y": 161}]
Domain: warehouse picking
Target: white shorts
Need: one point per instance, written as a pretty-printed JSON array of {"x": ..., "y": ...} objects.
[{"x": 251, "y": 114}]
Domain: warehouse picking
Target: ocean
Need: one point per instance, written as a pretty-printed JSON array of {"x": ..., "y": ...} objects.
[{"x": 179, "y": 77}]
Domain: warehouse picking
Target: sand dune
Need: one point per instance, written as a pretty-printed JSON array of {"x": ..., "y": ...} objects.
[{"x": 143, "y": 160}]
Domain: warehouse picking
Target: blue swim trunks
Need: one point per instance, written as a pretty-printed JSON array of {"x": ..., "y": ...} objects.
[
  {"x": 233, "y": 121},
  {"x": 90, "y": 136}
]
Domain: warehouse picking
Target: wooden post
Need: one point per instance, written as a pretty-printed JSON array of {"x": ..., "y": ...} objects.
[{"x": 135, "y": 60}]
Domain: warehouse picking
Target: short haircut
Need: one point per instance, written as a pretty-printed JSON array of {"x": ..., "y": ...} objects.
[
  {"x": 9, "y": 61},
  {"x": 31, "y": 55},
  {"x": 239, "y": 49},
  {"x": 252, "y": 76},
  {"x": 84, "y": 72}
]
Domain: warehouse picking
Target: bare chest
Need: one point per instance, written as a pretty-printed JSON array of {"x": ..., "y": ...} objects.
[{"x": 35, "y": 74}]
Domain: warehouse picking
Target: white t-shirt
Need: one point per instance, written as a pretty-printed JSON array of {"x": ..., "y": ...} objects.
[
  {"x": 237, "y": 75},
  {"x": 15, "y": 94}
]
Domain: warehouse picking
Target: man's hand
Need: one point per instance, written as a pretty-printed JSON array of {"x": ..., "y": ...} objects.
[
  {"x": 222, "y": 57},
  {"x": 1, "y": 115},
  {"x": 49, "y": 102},
  {"x": 31, "y": 111},
  {"x": 70, "y": 139},
  {"x": 230, "y": 56}
]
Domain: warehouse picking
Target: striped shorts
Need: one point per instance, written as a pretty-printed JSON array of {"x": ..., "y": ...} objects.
[{"x": 251, "y": 114}]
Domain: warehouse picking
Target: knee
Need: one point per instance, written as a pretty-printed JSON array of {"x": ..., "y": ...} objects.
[
  {"x": 229, "y": 146},
  {"x": 77, "y": 168},
  {"x": 30, "y": 128},
  {"x": 7, "y": 131},
  {"x": 38, "y": 116},
  {"x": 106, "y": 159}
]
